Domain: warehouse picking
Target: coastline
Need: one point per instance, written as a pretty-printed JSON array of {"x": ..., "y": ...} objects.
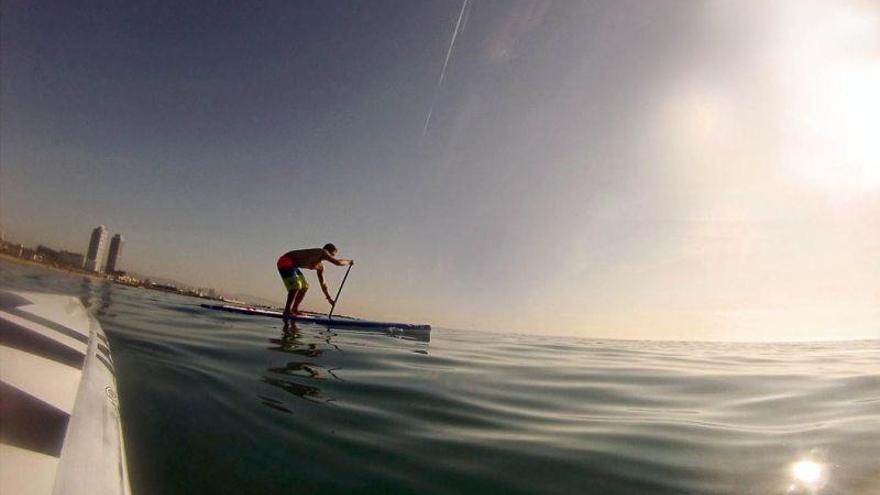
[
  {"x": 21, "y": 261},
  {"x": 98, "y": 276}
]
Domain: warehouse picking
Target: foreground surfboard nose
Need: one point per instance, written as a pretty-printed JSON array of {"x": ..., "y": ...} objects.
[{"x": 60, "y": 427}]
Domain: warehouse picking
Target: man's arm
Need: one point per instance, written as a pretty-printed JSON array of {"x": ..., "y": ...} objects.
[
  {"x": 324, "y": 288},
  {"x": 338, "y": 262}
]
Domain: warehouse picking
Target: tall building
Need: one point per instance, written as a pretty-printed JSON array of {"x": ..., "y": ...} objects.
[
  {"x": 96, "y": 249},
  {"x": 115, "y": 253}
]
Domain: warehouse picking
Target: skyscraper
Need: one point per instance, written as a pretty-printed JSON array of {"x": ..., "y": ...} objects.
[
  {"x": 96, "y": 249},
  {"x": 115, "y": 253}
]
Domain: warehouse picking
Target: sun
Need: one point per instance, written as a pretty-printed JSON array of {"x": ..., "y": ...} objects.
[{"x": 830, "y": 65}]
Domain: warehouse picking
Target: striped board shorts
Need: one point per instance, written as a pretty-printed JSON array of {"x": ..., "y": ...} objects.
[{"x": 293, "y": 278}]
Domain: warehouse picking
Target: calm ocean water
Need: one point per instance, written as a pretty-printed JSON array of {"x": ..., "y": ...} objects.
[{"x": 220, "y": 403}]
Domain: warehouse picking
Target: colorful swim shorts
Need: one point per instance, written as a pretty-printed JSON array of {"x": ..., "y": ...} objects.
[{"x": 293, "y": 279}]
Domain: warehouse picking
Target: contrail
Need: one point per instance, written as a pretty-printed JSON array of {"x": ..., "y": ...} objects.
[
  {"x": 452, "y": 43},
  {"x": 445, "y": 64}
]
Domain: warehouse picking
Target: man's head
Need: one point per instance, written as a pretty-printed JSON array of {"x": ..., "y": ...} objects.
[{"x": 330, "y": 248}]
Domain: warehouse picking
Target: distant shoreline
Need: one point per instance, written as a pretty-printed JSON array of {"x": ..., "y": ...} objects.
[
  {"x": 21, "y": 261},
  {"x": 94, "y": 276}
]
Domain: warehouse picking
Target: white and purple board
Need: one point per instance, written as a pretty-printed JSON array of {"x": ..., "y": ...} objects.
[{"x": 336, "y": 322}]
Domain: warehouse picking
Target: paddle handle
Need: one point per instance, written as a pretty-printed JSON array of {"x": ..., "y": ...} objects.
[{"x": 336, "y": 299}]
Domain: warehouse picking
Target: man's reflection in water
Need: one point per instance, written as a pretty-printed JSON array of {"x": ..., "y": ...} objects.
[
  {"x": 312, "y": 394},
  {"x": 289, "y": 333},
  {"x": 291, "y": 343}
]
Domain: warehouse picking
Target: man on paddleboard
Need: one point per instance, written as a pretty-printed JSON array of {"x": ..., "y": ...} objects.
[{"x": 294, "y": 281}]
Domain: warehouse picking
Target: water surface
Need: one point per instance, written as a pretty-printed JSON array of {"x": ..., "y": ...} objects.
[{"x": 221, "y": 403}]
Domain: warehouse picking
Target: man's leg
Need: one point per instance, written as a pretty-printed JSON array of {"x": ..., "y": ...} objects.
[
  {"x": 290, "y": 296},
  {"x": 300, "y": 294}
]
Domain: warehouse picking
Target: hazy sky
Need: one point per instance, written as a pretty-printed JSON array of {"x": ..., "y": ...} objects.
[{"x": 631, "y": 169}]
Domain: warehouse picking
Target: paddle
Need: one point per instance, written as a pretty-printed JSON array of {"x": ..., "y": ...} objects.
[{"x": 336, "y": 299}]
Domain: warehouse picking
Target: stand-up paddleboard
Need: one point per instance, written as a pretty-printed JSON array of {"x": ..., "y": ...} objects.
[
  {"x": 60, "y": 430},
  {"x": 335, "y": 322}
]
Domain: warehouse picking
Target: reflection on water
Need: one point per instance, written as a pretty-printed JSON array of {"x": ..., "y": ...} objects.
[
  {"x": 301, "y": 377},
  {"x": 354, "y": 411},
  {"x": 306, "y": 392},
  {"x": 96, "y": 294},
  {"x": 808, "y": 476},
  {"x": 289, "y": 376}
]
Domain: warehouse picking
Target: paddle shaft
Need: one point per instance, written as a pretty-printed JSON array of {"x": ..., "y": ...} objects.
[{"x": 336, "y": 299}]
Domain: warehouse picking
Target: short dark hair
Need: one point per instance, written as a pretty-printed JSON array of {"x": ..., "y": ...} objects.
[{"x": 330, "y": 247}]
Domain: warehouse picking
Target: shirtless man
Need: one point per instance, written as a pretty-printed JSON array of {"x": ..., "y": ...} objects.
[{"x": 294, "y": 281}]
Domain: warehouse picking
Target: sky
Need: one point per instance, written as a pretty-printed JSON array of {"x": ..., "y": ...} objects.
[{"x": 614, "y": 169}]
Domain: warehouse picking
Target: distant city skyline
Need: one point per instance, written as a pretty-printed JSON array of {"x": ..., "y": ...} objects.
[
  {"x": 664, "y": 170},
  {"x": 101, "y": 257},
  {"x": 75, "y": 263}
]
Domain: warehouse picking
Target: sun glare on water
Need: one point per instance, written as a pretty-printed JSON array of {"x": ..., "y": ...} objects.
[
  {"x": 809, "y": 477},
  {"x": 807, "y": 472}
]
